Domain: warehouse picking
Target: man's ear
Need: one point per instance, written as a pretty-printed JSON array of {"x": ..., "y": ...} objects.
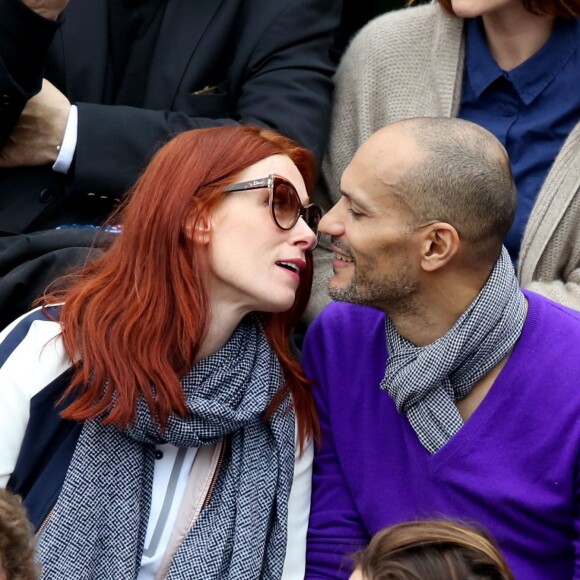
[
  {"x": 439, "y": 244},
  {"x": 199, "y": 230}
]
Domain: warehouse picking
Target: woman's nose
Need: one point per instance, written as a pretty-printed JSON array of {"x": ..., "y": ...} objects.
[{"x": 305, "y": 237}]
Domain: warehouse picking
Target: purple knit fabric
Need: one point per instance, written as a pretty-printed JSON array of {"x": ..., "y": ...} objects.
[{"x": 513, "y": 467}]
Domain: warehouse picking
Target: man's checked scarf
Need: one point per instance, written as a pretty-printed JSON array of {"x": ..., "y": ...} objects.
[{"x": 425, "y": 381}]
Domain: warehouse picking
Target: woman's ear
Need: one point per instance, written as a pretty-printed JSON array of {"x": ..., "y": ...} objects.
[
  {"x": 199, "y": 230},
  {"x": 438, "y": 246}
]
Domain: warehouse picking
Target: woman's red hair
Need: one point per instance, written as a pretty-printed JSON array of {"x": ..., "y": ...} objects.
[{"x": 137, "y": 316}]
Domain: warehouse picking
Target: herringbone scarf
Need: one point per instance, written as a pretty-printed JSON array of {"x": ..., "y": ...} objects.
[
  {"x": 426, "y": 381},
  {"x": 98, "y": 525}
]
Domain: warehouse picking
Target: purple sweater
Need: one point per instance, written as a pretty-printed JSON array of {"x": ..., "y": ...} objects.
[{"x": 513, "y": 467}]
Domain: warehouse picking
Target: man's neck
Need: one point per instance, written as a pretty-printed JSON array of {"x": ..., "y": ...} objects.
[
  {"x": 436, "y": 311},
  {"x": 514, "y": 34}
]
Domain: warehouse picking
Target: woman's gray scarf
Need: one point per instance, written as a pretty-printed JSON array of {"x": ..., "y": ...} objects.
[
  {"x": 425, "y": 381},
  {"x": 98, "y": 526}
]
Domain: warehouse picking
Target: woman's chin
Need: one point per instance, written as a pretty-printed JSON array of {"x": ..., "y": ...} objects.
[{"x": 276, "y": 306}]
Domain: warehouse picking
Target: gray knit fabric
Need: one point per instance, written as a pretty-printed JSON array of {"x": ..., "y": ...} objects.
[
  {"x": 98, "y": 526},
  {"x": 426, "y": 381}
]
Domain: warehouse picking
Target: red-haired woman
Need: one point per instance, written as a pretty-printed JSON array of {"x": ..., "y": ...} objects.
[{"x": 173, "y": 455}]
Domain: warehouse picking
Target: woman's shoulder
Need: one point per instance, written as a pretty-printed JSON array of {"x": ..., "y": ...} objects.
[
  {"x": 395, "y": 51},
  {"x": 32, "y": 356},
  {"x": 31, "y": 350},
  {"x": 410, "y": 26},
  {"x": 21, "y": 325}
]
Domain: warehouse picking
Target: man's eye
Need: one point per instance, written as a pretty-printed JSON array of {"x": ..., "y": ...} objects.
[{"x": 355, "y": 214}]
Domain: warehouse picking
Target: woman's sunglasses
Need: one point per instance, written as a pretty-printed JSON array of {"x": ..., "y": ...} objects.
[{"x": 284, "y": 201}]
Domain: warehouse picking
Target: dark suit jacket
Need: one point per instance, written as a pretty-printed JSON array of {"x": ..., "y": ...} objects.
[{"x": 216, "y": 61}]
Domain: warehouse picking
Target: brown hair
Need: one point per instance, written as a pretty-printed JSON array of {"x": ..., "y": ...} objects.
[
  {"x": 17, "y": 543},
  {"x": 562, "y": 8},
  {"x": 432, "y": 550},
  {"x": 139, "y": 314}
]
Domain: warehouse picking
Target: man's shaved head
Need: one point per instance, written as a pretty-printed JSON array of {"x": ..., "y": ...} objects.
[{"x": 454, "y": 172}]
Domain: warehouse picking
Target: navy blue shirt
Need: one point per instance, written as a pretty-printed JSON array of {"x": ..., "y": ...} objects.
[{"x": 530, "y": 109}]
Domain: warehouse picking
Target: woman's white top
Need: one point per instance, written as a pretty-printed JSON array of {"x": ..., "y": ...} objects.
[{"x": 39, "y": 359}]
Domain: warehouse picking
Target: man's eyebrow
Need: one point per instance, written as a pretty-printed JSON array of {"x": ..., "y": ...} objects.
[
  {"x": 350, "y": 196},
  {"x": 353, "y": 198}
]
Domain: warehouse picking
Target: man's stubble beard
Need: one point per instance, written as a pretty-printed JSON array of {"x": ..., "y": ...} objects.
[{"x": 387, "y": 292}]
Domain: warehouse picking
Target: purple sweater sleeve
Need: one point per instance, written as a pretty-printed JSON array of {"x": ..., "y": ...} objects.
[
  {"x": 335, "y": 528},
  {"x": 577, "y": 523}
]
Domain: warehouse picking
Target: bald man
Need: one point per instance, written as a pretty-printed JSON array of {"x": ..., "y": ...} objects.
[{"x": 457, "y": 394}]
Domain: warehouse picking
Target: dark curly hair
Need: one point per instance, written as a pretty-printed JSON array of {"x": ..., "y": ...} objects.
[{"x": 17, "y": 543}]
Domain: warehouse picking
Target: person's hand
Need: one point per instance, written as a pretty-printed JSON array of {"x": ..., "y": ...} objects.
[
  {"x": 39, "y": 131},
  {"x": 47, "y": 8}
]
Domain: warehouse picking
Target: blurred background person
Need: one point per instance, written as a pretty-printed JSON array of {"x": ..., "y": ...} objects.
[
  {"x": 431, "y": 550},
  {"x": 16, "y": 540},
  {"x": 354, "y": 16}
]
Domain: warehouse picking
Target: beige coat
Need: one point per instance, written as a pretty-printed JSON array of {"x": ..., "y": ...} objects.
[{"x": 409, "y": 63}]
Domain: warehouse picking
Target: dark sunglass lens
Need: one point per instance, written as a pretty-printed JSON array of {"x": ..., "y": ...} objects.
[
  {"x": 313, "y": 215},
  {"x": 285, "y": 205}
]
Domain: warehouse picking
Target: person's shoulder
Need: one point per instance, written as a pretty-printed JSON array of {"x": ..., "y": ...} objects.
[
  {"x": 550, "y": 341},
  {"x": 412, "y": 16},
  {"x": 548, "y": 358},
  {"x": 395, "y": 47},
  {"x": 552, "y": 316},
  {"x": 404, "y": 25},
  {"x": 30, "y": 332},
  {"x": 42, "y": 314}
]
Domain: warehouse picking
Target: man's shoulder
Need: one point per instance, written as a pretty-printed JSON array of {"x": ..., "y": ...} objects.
[
  {"x": 552, "y": 318},
  {"x": 548, "y": 350},
  {"x": 544, "y": 364}
]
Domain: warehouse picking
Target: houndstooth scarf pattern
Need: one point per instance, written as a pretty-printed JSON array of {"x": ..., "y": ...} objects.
[
  {"x": 425, "y": 381},
  {"x": 97, "y": 528}
]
